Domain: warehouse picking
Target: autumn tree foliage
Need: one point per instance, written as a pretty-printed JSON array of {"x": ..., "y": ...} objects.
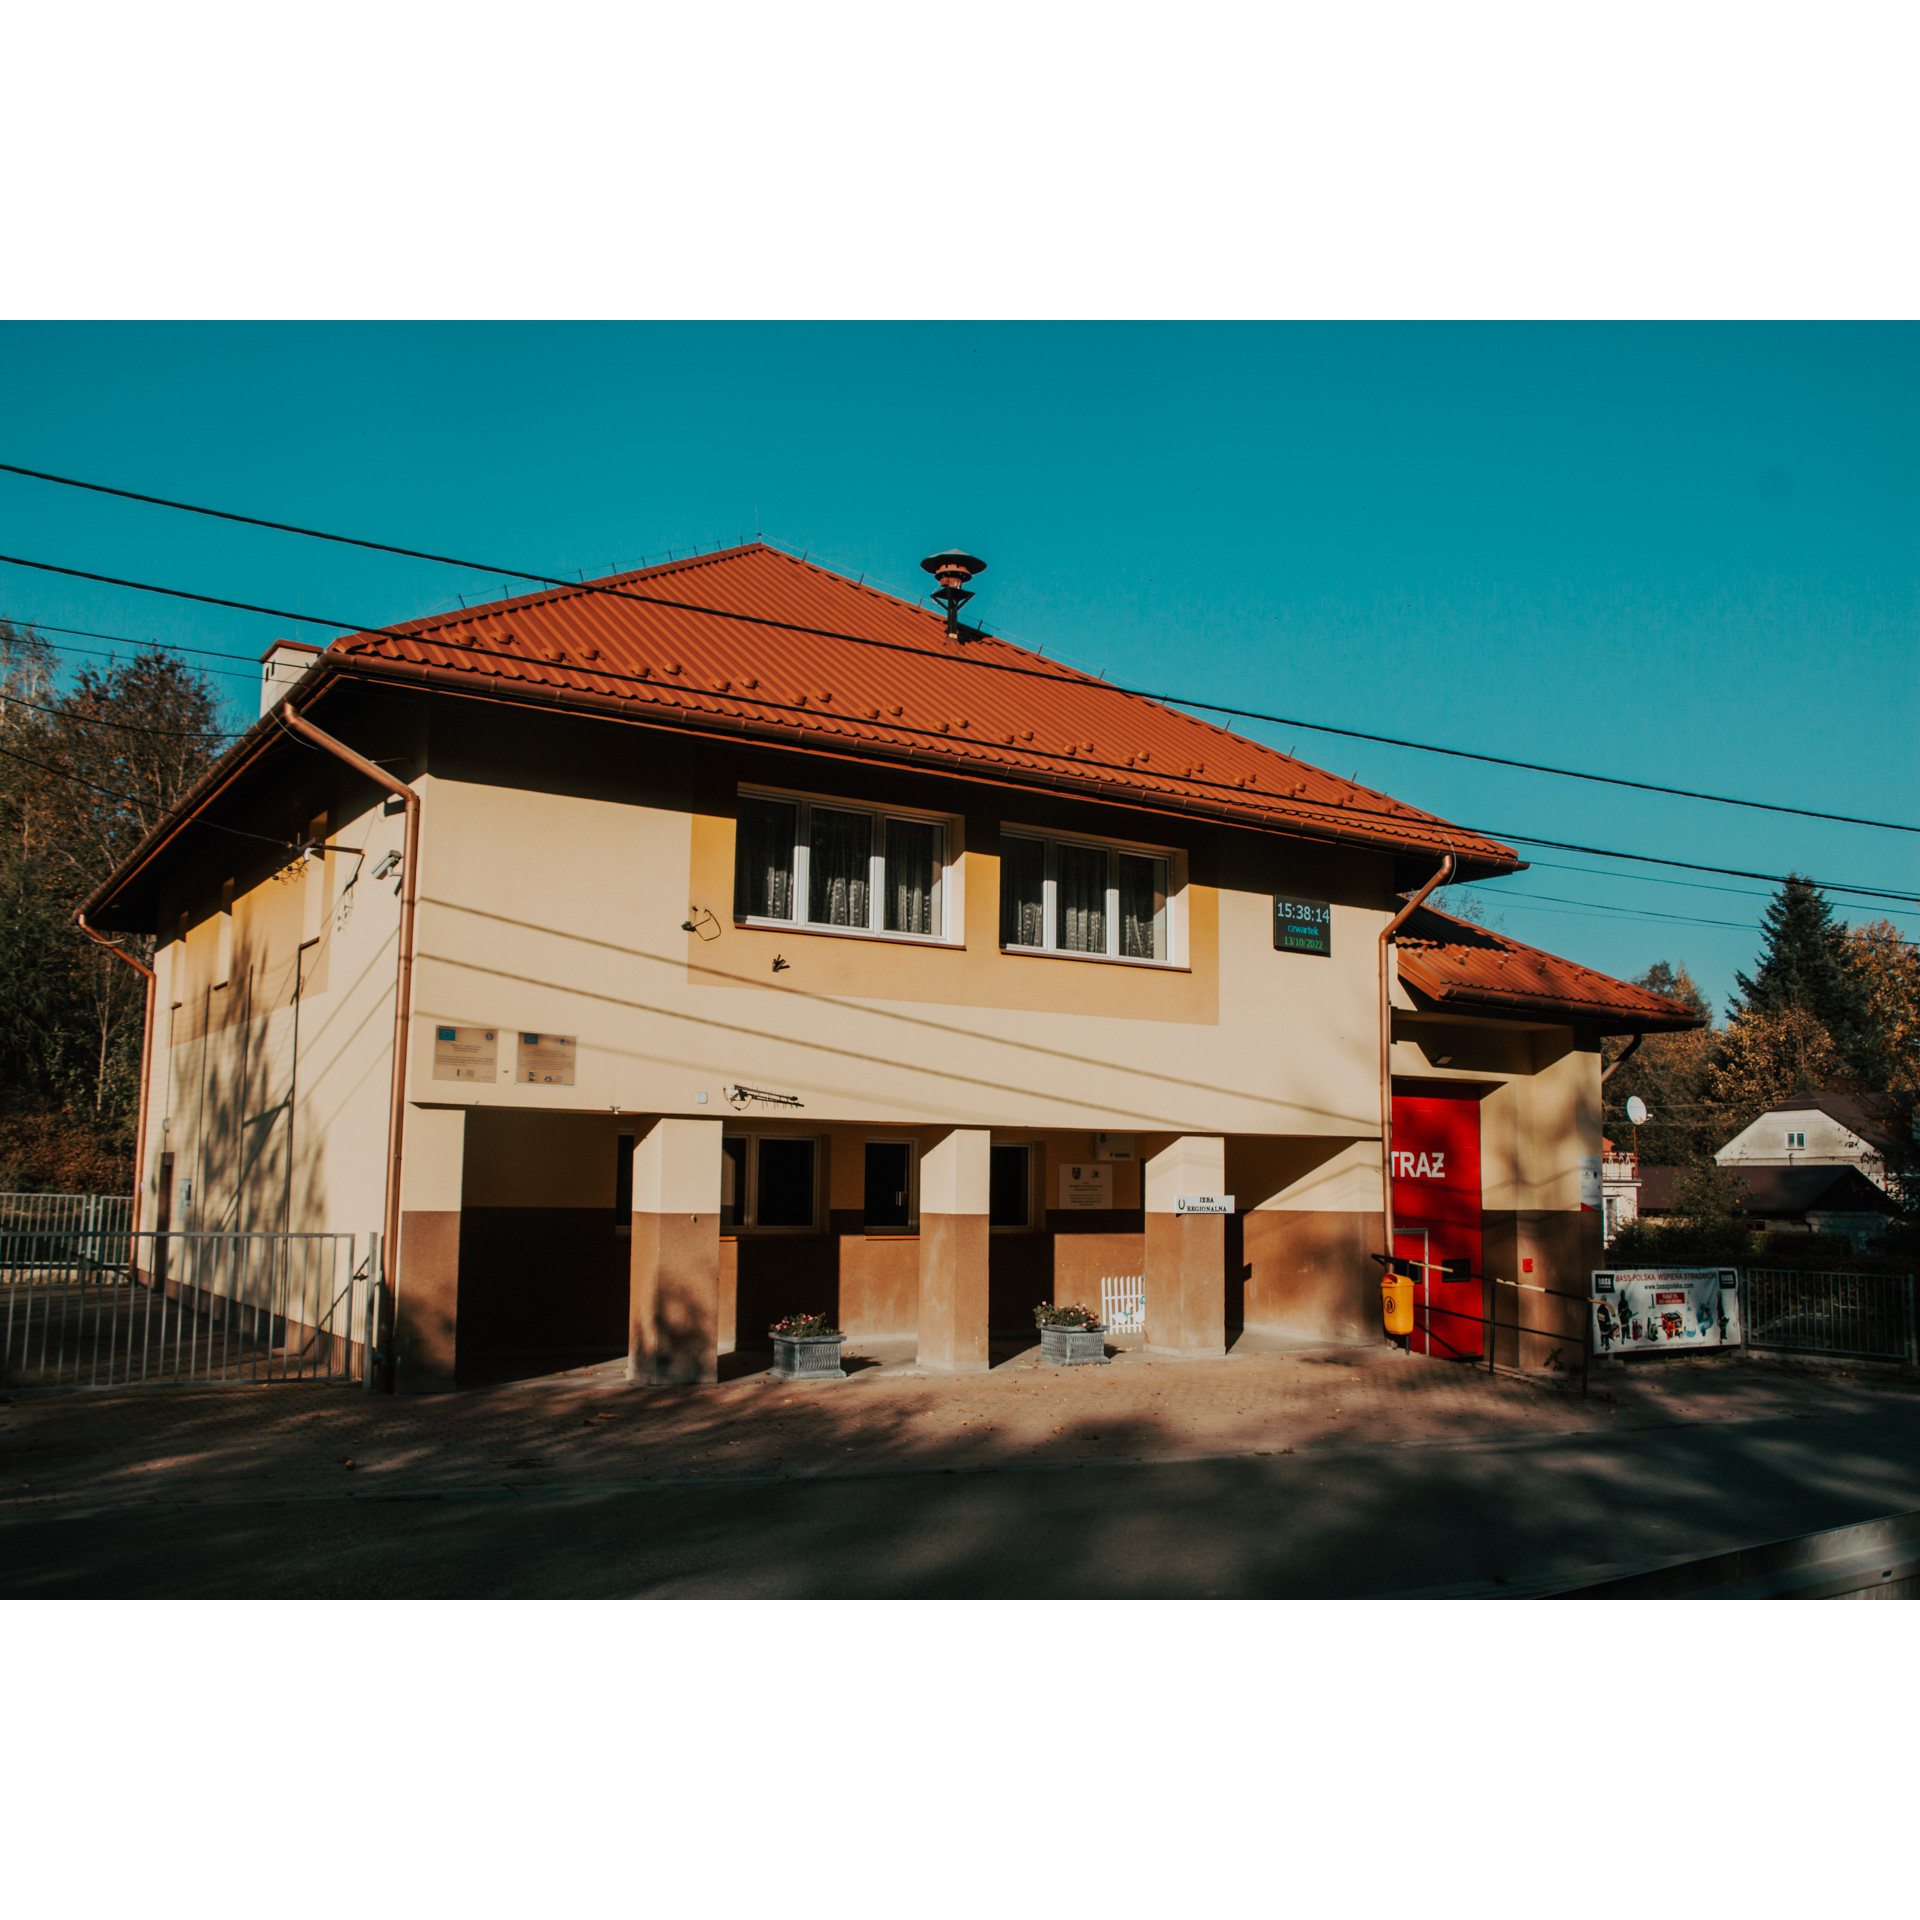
[
  {"x": 1669, "y": 1071},
  {"x": 1826, "y": 1008},
  {"x": 85, "y": 774}
]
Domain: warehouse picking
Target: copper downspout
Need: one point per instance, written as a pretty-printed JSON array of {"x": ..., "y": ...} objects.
[
  {"x": 1387, "y": 932},
  {"x": 146, "y": 1059},
  {"x": 403, "y": 989}
]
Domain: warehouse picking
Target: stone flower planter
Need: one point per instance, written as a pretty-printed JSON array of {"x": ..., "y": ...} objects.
[
  {"x": 808, "y": 1356},
  {"x": 1074, "y": 1346}
]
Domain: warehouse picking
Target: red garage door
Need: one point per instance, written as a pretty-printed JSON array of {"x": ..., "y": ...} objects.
[{"x": 1436, "y": 1216}]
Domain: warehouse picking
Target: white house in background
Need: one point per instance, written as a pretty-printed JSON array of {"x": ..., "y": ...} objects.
[
  {"x": 1815, "y": 1130},
  {"x": 1619, "y": 1190}
]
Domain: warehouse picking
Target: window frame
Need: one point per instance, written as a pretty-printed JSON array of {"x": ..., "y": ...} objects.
[
  {"x": 947, "y": 914},
  {"x": 912, "y": 1144},
  {"x": 750, "y": 1202},
  {"x": 1175, "y": 860},
  {"x": 1796, "y": 1141}
]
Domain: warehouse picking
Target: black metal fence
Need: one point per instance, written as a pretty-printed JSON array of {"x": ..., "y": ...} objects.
[
  {"x": 1868, "y": 1316},
  {"x": 1558, "y": 1340}
]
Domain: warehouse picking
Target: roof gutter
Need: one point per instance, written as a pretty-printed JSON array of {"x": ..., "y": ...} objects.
[
  {"x": 1387, "y": 932},
  {"x": 539, "y": 694},
  {"x": 402, "y": 993},
  {"x": 146, "y": 1063}
]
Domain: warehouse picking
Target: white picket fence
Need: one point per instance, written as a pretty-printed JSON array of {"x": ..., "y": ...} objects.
[{"x": 1123, "y": 1304}]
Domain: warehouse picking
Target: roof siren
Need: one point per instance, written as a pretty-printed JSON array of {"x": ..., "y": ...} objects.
[{"x": 953, "y": 569}]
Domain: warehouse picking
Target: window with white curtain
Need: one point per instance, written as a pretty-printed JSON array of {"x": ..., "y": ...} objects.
[
  {"x": 838, "y": 868},
  {"x": 1076, "y": 896}
]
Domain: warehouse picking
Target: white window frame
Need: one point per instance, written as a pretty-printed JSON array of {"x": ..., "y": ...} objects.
[
  {"x": 1796, "y": 1143},
  {"x": 947, "y": 914},
  {"x": 750, "y": 1172},
  {"x": 1176, "y": 862}
]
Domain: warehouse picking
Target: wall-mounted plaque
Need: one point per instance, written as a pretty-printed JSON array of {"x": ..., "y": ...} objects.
[
  {"x": 466, "y": 1053},
  {"x": 1088, "y": 1187},
  {"x": 1302, "y": 926},
  {"x": 1113, "y": 1146},
  {"x": 546, "y": 1060}
]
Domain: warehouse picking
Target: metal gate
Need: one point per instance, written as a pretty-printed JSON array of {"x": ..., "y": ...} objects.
[
  {"x": 65, "y": 1212},
  {"x": 1865, "y": 1315},
  {"x": 108, "y": 1308}
]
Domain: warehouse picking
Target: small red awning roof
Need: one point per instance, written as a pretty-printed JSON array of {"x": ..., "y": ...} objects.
[{"x": 1455, "y": 964}]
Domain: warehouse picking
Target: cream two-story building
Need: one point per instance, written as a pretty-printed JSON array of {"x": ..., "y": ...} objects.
[{"x": 760, "y": 942}]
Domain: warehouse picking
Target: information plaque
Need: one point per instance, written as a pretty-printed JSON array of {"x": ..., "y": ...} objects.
[
  {"x": 546, "y": 1060},
  {"x": 465, "y": 1053},
  {"x": 1086, "y": 1188},
  {"x": 1302, "y": 926}
]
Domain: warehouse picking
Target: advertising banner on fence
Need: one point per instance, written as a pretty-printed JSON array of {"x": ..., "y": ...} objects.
[{"x": 1639, "y": 1310}]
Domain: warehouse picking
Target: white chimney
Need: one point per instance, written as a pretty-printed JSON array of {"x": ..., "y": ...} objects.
[{"x": 280, "y": 666}]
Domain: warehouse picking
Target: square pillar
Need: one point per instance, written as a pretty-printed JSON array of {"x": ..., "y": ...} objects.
[
  {"x": 673, "y": 1311},
  {"x": 425, "y": 1276},
  {"x": 955, "y": 1176},
  {"x": 1186, "y": 1265}
]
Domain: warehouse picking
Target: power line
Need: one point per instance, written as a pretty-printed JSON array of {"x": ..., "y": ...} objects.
[
  {"x": 1592, "y": 910},
  {"x": 1179, "y": 700},
  {"x": 124, "y": 726},
  {"x": 96, "y": 653},
  {"x": 60, "y": 773},
  {"x": 127, "y": 640},
  {"x": 1349, "y": 813},
  {"x": 1693, "y": 866}
]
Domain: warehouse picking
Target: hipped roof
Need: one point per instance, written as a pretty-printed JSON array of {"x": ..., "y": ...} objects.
[{"x": 851, "y": 669}]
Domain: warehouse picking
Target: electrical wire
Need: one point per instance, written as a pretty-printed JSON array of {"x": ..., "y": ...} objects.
[
  {"x": 1559, "y": 846},
  {"x": 124, "y": 726},
  {"x": 127, "y": 640},
  {"x": 97, "y": 653},
  {"x": 60, "y": 773},
  {"x": 1179, "y": 700}
]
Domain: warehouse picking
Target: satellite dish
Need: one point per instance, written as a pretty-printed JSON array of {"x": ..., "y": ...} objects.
[{"x": 1636, "y": 1110}]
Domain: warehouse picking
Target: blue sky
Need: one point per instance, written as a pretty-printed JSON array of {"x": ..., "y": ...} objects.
[{"x": 1681, "y": 553}]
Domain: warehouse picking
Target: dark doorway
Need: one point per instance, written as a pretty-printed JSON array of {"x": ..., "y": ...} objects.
[{"x": 889, "y": 1200}]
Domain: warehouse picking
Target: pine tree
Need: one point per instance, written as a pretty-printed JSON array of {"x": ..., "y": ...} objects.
[{"x": 1805, "y": 963}]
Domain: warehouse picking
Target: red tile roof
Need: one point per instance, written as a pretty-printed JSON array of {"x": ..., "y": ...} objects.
[
  {"x": 851, "y": 669},
  {"x": 1459, "y": 965}
]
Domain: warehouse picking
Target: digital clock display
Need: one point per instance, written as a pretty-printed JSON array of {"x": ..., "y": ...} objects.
[{"x": 1302, "y": 926}]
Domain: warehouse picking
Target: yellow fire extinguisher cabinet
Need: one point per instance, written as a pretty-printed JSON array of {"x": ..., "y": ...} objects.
[{"x": 1396, "y": 1304}]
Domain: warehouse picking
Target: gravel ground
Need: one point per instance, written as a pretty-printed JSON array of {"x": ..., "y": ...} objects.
[{"x": 60, "y": 1452}]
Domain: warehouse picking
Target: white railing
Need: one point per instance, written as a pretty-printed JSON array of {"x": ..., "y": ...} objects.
[
  {"x": 65, "y": 1212},
  {"x": 1123, "y": 1302},
  {"x": 102, "y": 1309}
]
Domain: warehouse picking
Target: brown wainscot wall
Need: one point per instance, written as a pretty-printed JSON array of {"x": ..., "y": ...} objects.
[{"x": 1565, "y": 1248}]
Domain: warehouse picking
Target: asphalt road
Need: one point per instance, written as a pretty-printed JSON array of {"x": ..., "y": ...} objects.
[{"x": 1514, "y": 1515}]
